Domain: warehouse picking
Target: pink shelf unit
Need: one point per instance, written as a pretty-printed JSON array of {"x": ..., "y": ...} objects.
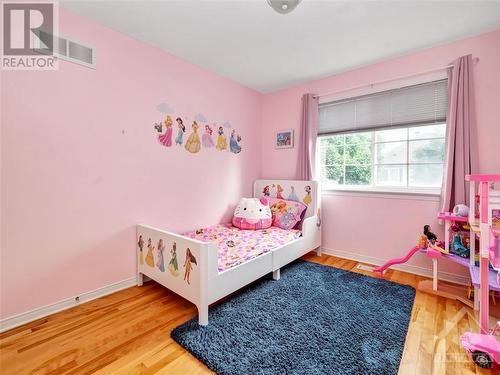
[{"x": 448, "y": 216}]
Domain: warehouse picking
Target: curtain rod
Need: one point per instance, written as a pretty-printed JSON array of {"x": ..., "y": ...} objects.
[{"x": 475, "y": 60}]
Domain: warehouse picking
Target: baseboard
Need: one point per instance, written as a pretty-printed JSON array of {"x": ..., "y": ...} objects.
[
  {"x": 29, "y": 316},
  {"x": 416, "y": 270}
]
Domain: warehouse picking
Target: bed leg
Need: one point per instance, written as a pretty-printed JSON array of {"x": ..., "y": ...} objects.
[
  {"x": 276, "y": 274},
  {"x": 318, "y": 251},
  {"x": 203, "y": 315},
  {"x": 140, "y": 279}
]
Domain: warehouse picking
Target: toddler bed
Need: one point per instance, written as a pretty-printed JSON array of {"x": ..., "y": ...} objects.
[{"x": 208, "y": 264}]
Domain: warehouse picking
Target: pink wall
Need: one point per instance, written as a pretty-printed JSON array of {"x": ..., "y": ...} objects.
[
  {"x": 398, "y": 220},
  {"x": 81, "y": 164}
]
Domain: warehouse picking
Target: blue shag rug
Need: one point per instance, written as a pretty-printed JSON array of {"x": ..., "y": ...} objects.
[{"x": 315, "y": 320}]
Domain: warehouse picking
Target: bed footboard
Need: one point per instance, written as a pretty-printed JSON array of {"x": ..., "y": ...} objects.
[{"x": 179, "y": 263}]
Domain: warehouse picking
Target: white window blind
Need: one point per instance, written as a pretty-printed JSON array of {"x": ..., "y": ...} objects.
[{"x": 407, "y": 106}]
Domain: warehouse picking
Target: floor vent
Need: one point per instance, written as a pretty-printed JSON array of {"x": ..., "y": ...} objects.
[{"x": 365, "y": 267}]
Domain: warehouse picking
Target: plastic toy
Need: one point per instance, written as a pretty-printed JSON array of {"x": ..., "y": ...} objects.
[
  {"x": 483, "y": 349},
  {"x": 458, "y": 249},
  {"x": 430, "y": 236},
  {"x": 461, "y": 210}
]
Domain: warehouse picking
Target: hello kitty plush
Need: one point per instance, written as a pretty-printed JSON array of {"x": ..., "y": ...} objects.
[{"x": 252, "y": 213}]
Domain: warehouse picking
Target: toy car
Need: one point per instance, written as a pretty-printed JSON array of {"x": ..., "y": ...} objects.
[{"x": 484, "y": 349}]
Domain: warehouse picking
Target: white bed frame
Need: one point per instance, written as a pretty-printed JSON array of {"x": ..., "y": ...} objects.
[{"x": 208, "y": 285}]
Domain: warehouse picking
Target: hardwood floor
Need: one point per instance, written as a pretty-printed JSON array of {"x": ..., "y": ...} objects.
[{"x": 129, "y": 333}]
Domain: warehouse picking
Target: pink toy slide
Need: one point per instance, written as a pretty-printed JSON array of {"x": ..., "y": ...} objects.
[{"x": 392, "y": 262}]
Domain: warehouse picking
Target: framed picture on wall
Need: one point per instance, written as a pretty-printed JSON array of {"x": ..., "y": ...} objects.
[{"x": 284, "y": 139}]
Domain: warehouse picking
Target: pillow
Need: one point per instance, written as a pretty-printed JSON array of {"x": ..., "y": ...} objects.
[
  {"x": 286, "y": 214},
  {"x": 252, "y": 213}
]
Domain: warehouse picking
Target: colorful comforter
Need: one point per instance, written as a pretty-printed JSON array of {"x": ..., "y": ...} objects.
[{"x": 237, "y": 246}]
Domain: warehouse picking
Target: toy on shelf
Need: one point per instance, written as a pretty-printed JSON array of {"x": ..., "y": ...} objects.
[
  {"x": 458, "y": 248},
  {"x": 483, "y": 349}
]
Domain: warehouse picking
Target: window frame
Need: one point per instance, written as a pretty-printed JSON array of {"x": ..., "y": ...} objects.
[{"x": 372, "y": 188}]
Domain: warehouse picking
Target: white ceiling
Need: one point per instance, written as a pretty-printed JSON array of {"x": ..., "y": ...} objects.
[{"x": 248, "y": 42}]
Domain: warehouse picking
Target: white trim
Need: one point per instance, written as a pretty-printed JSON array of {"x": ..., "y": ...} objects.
[
  {"x": 67, "y": 303},
  {"x": 383, "y": 194},
  {"x": 415, "y": 270}
]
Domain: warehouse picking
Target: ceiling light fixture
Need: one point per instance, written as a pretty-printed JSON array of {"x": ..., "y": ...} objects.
[{"x": 283, "y": 6}]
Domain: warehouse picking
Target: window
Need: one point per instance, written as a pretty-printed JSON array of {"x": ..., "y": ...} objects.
[{"x": 394, "y": 140}]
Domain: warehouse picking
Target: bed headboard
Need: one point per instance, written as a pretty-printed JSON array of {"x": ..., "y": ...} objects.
[{"x": 302, "y": 191}]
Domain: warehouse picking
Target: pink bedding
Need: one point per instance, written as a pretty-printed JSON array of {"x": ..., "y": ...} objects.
[{"x": 236, "y": 246}]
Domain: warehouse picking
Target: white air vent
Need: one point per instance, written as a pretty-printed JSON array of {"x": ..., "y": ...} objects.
[{"x": 68, "y": 50}]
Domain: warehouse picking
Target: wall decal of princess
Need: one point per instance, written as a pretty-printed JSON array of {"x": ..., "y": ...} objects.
[
  {"x": 206, "y": 139},
  {"x": 293, "y": 196},
  {"x": 188, "y": 264},
  {"x": 140, "y": 243},
  {"x": 173, "y": 266},
  {"x": 160, "y": 263},
  {"x": 150, "y": 260},
  {"x": 266, "y": 192},
  {"x": 279, "y": 191},
  {"x": 193, "y": 143},
  {"x": 166, "y": 139},
  {"x": 234, "y": 147},
  {"x": 181, "y": 129},
  {"x": 307, "y": 198},
  {"x": 221, "y": 140}
]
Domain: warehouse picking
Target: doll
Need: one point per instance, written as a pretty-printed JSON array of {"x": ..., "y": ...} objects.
[{"x": 430, "y": 236}]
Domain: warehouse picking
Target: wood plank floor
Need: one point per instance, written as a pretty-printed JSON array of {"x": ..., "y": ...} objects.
[{"x": 129, "y": 333}]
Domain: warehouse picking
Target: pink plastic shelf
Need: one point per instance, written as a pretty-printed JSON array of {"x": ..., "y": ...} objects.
[
  {"x": 448, "y": 216},
  {"x": 483, "y": 177}
]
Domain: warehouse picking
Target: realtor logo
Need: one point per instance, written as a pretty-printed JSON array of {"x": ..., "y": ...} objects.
[{"x": 28, "y": 36}]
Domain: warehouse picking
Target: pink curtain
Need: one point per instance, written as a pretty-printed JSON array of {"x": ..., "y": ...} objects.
[
  {"x": 461, "y": 146},
  {"x": 307, "y": 139}
]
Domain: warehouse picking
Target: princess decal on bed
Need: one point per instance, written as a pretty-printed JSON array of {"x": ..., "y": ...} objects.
[
  {"x": 206, "y": 139},
  {"x": 193, "y": 143},
  {"x": 279, "y": 191},
  {"x": 150, "y": 260},
  {"x": 140, "y": 243},
  {"x": 234, "y": 141},
  {"x": 173, "y": 267},
  {"x": 292, "y": 196},
  {"x": 221, "y": 140},
  {"x": 181, "y": 129},
  {"x": 190, "y": 259},
  {"x": 307, "y": 198},
  {"x": 266, "y": 192},
  {"x": 166, "y": 139},
  {"x": 160, "y": 263}
]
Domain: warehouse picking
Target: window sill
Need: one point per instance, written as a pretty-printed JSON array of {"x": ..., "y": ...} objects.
[{"x": 388, "y": 193}]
